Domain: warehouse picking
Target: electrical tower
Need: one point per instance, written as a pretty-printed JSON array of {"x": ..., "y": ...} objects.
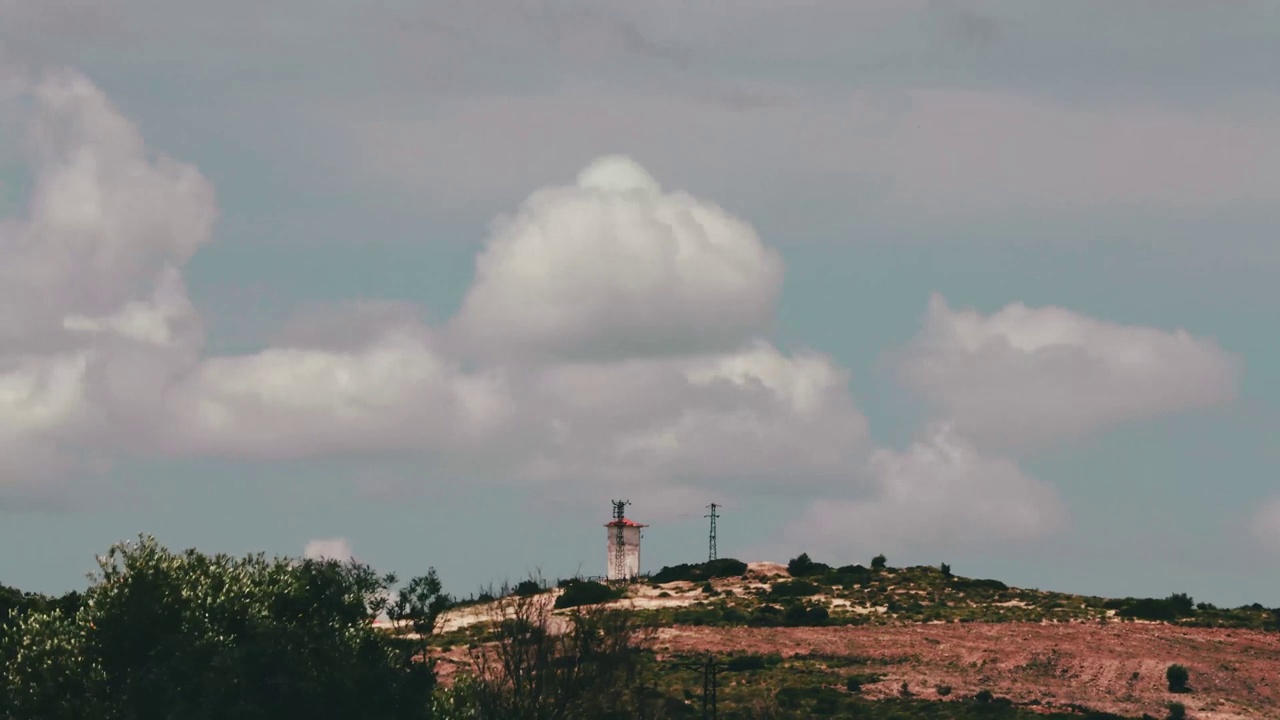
[
  {"x": 709, "y": 668},
  {"x": 619, "y": 539},
  {"x": 711, "y": 540}
]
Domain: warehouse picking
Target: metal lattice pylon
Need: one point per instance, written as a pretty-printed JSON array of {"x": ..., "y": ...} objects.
[{"x": 619, "y": 538}]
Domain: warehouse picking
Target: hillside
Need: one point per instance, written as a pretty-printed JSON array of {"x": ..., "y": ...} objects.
[{"x": 899, "y": 642}]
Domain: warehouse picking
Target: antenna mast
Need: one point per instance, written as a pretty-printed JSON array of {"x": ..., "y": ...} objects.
[
  {"x": 711, "y": 541},
  {"x": 619, "y": 539}
]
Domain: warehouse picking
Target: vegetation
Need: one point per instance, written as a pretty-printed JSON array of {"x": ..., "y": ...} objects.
[
  {"x": 700, "y": 572},
  {"x": 166, "y": 635},
  {"x": 586, "y": 592},
  {"x": 1178, "y": 677}
]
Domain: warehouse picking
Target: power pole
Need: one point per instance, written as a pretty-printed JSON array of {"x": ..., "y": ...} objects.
[
  {"x": 711, "y": 543},
  {"x": 710, "y": 684}
]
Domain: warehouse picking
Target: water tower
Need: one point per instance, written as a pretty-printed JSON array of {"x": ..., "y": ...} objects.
[{"x": 623, "y": 560}]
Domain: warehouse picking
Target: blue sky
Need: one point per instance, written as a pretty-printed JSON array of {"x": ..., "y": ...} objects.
[{"x": 971, "y": 282}]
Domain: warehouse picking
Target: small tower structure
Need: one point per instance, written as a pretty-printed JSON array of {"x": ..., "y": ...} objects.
[{"x": 623, "y": 536}]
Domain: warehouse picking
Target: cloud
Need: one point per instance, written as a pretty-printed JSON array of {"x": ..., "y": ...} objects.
[
  {"x": 641, "y": 308},
  {"x": 95, "y": 324},
  {"x": 1026, "y": 376},
  {"x": 394, "y": 391},
  {"x": 1264, "y": 526},
  {"x": 754, "y": 416},
  {"x": 614, "y": 267},
  {"x": 941, "y": 492},
  {"x": 328, "y": 549}
]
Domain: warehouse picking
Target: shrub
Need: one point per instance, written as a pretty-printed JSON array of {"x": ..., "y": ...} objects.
[
  {"x": 528, "y": 587},
  {"x": 850, "y": 575},
  {"x": 700, "y": 572},
  {"x": 879, "y": 562},
  {"x": 1177, "y": 676},
  {"x": 943, "y": 690},
  {"x": 793, "y": 588},
  {"x": 984, "y": 696},
  {"x": 801, "y": 566},
  {"x": 766, "y": 616},
  {"x": 946, "y": 570},
  {"x": 1177, "y": 711},
  {"x": 853, "y": 684},
  {"x": 742, "y": 663},
  {"x": 978, "y": 584},
  {"x": 586, "y": 592}
]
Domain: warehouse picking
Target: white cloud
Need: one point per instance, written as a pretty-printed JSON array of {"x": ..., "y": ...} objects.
[
  {"x": 395, "y": 391},
  {"x": 95, "y": 324},
  {"x": 941, "y": 492},
  {"x": 328, "y": 549},
  {"x": 755, "y": 415},
  {"x": 614, "y": 267},
  {"x": 1265, "y": 525},
  {"x": 1025, "y": 376}
]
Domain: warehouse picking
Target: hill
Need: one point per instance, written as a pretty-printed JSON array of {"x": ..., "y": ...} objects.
[{"x": 810, "y": 640}]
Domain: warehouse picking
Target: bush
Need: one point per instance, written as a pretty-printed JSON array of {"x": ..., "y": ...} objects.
[
  {"x": 853, "y": 684},
  {"x": 978, "y": 584},
  {"x": 802, "y": 566},
  {"x": 1177, "y": 711},
  {"x": 793, "y": 589},
  {"x": 943, "y": 690},
  {"x": 743, "y": 663},
  {"x": 984, "y": 696},
  {"x": 766, "y": 616},
  {"x": 700, "y": 572},
  {"x": 528, "y": 587},
  {"x": 946, "y": 570},
  {"x": 586, "y": 593},
  {"x": 850, "y": 575},
  {"x": 1177, "y": 676},
  {"x": 879, "y": 562}
]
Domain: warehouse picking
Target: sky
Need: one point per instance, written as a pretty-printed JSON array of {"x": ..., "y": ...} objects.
[{"x": 431, "y": 283}]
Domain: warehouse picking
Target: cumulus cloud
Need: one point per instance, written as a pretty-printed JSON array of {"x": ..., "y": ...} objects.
[
  {"x": 1265, "y": 525},
  {"x": 640, "y": 307},
  {"x": 328, "y": 549},
  {"x": 941, "y": 492},
  {"x": 394, "y": 391},
  {"x": 615, "y": 267},
  {"x": 1023, "y": 376},
  {"x": 94, "y": 319},
  {"x": 754, "y": 415}
]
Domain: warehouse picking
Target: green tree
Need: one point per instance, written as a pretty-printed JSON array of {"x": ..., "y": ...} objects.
[
  {"x": 879, "y": 562},
  {"x": 163, "y": 635}
]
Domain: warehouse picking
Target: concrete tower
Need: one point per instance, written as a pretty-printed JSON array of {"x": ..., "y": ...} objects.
[{"x": 623, "y": 544}]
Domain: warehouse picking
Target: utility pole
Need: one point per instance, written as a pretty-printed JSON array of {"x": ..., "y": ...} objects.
[
  {"x": 710, "y": 684},
  {"x": 711, "y": 543}
]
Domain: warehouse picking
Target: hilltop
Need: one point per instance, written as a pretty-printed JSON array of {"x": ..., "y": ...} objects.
[{"x": 824, "y": 640}]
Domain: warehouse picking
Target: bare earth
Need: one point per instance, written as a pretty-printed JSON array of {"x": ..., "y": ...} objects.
[{"x": 1117, "y": 667}]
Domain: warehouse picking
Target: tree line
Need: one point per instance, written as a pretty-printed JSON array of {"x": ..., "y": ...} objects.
[{"x": 162, "y": 635}]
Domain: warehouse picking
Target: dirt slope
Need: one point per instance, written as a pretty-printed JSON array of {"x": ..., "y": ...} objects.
[{"x": 1116, "y": 667}]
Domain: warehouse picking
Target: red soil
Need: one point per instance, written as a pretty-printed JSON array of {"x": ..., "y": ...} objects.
[{"x": 1116, "y": 667}]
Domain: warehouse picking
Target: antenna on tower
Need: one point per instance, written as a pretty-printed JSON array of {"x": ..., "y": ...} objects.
[
  {"x": 711, "y": 540},
  {"x": 619, "y": 538}
]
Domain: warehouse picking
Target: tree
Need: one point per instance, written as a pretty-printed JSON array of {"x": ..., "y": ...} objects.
[
  {"x": 1177, "y": 676},
  {"x": 166, "y": 635},
  {"x": 946, "y": 570},
  {"x": 879, "y": 562}
]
